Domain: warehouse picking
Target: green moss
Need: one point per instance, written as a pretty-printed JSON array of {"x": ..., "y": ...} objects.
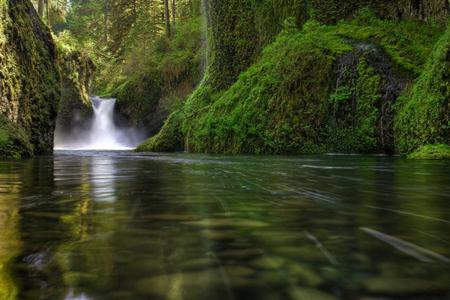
[
  {"x": 368, "y": 95},
  {"x": 423, "y": 112},
  {"x": 231, "y": 40},
  {"x": 138, "y": 98},
  {"x": 14, "y": 142},
  {"x": 440, "y": 151},
  {"x": 77, "y": 74},
  {"x": 342, "y": 93},
  {"x": 355, "y": 112},
  {"x": 409, "y": 43},
  {"x": 270, "y": 14},
  {"x": 29, "y": 76},
  {"x": 75, "y": 110},
  {"x": 280, "y": 101},
  {"x": 331, "y": 11},
  {"x": 170, "y": 137},
  {"x": 276, "y": 105}
]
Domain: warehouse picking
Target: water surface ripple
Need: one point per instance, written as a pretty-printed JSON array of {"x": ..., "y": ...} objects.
[{"x": 120, "y": 225}]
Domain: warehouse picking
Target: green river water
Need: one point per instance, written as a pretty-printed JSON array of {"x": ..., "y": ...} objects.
[{"x": 120, "y": 225}]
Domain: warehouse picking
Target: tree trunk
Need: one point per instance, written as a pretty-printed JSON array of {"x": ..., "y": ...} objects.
[
  {"x": 174, "y": 14},
  {"x": 41, "y": 8},
  {"x": 167, "y": 17},
  {"x": 47, "y": 7}
]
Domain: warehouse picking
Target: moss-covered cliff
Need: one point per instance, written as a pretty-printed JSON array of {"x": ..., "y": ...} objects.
[
  {"x": 29, "y": 81},
  {"x": 75, "y": 109},
  {"x": 423, "y": 112},
  {"x": 239, "y": 30},
  {"x": 321, "y": 88}
]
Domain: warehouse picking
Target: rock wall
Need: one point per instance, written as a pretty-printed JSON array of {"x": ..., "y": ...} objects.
[
  {"x": 239, "y": 29},
  {"x": 423, "y": 10},
  {"x": 29, "y": 81},
  {"x": 75, "y": 109},
  {"x": 253, "y": 100}
]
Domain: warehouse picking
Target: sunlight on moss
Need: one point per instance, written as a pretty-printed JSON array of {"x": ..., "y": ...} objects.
[
  {"x": 440, "y": 151},
  {"x": 282, "y": 103}
]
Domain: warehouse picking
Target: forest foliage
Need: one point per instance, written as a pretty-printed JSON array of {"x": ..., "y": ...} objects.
[
  {"x": 123, "y": 37},
  {"x": 148, "y": 53},
  {"x": 241, "y": 76},
  {"x": 280, "y": 102}
]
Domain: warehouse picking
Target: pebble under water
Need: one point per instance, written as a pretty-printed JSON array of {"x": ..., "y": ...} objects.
[{"x": 120, "y": 225}]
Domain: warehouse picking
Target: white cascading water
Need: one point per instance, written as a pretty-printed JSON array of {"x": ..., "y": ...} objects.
[{"x": 103, "y": 134}]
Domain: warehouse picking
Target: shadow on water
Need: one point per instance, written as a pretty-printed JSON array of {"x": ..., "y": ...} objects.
[{"x": 119, "y": 225}]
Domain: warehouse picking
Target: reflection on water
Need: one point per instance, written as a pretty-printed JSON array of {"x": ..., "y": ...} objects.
[
  {"x": 102, "y": 177},
  {"x": 117, "y": 225},
  {"x": 9, "y": 233}
]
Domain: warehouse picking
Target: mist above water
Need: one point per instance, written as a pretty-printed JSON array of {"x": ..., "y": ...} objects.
[{"x": 102, "y": 134}]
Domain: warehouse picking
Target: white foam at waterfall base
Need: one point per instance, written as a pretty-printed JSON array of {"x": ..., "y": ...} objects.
[{"x": 103, "y": 133}]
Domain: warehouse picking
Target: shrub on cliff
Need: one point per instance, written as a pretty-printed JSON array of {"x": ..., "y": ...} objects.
[{"x": 423, "y": 113}]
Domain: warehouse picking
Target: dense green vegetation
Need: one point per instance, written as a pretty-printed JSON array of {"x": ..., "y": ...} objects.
[
  {"x": 149, "y": 66},
  {"x": 439, "y": 151},
  {"x": 14, "y": 142},
  {"x": 159, "y": 80},
  {"x": 262, "y": 111},
  {"x": 283, "y": 103},
  {"x": 424, "y": 111},
  {"x": 242, "y": 76}
]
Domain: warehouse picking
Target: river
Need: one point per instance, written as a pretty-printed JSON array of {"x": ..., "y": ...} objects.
[{"x": 121, "y": 225}]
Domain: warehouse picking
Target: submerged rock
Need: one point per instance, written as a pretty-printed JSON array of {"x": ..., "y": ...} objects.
[
  {"x": 280, "y": 237},
  {"x": 305, "y": 274},
  {"x": 218, "y": 223},
  {"x": 210, "y": 284},
  {"x": 403, "y": 286},
  {"x": 198, "y": 264},
  {"x": 275, "y": 279},
  {"x": 165, "y": 285},
  {"x": 308, "y": 253},
  {"x": 121, "y": 295},
  {"x": 74, "y": 279},
  {"x": 309, "y": 294},
  {"x": 219, "y": 235},
  {"x": 268, "y": 262},
  {"x": 240, "y": 253},
  {"x": 330, "y": 273},
  {"x": 238, "y": 271},
  {"x": 171, "y": 217}
]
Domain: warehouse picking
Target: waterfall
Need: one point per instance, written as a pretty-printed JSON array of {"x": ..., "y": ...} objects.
[{"x": 102, "y": 134}]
